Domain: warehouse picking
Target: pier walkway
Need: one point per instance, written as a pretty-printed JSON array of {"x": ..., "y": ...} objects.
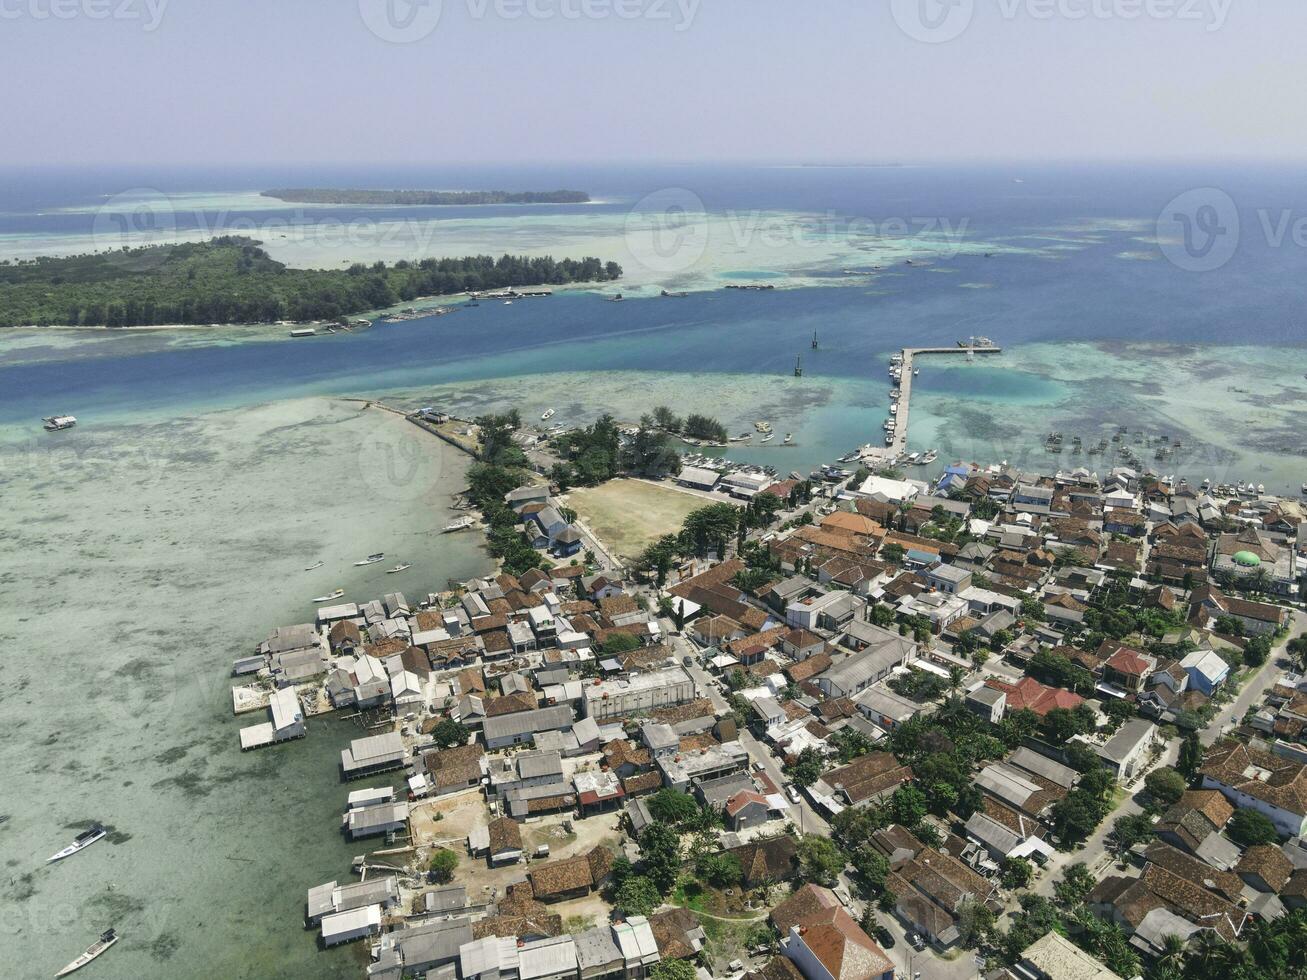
[{"x": 900, "y": 444}]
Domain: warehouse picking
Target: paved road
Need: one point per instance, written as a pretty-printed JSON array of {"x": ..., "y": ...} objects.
[
  {"x": 1095, "y": 853},
  {"x": 1256, "y": 689}
]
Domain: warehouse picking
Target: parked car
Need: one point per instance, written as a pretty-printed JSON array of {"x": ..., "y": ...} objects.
[
  {"x": 916, "y": 942},
  {"x": 792, "y": 792},
  {"x": 884, "y": 937}
]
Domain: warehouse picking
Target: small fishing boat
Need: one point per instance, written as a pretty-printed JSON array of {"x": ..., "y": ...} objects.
[
  {"x": 330, "y": 597},
  {"x": 107, "y": 939},
  {"x": 372, "y": 559},
  {"x": 315, "y": 565},
  {"x": 547, "y": 415},
  {"x": 54, "y": 423},
  {"x": 399, "y": 568},
  {"x": 458, "y": 524},
  {"x": 508, "y": 302},
  {"x": 928, "y": 457},
  {"x": 789, "y": 438},
  {"x": 82, "y": 841},
  {"x": 769, "y": 437}
]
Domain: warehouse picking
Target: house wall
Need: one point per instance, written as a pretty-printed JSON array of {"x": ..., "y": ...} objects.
[
  {"x": 1287, "y": 823},
  {"x": 801, "y": 956}
]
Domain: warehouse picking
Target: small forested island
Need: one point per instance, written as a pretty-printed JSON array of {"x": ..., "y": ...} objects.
[
  {"x": 330, "y": 195},
  {"x": 233, "y": 280}
]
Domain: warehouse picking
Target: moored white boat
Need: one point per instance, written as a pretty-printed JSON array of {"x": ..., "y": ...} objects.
[
  {"x": 399, "y": 568},
  {"x": 83, "y": 840},
  {"x": 331, "y": 597},
  {"x": 372, "y": 559},
  {"x": 107, "y": 939},
  {"x": 460, "y": 523},
  {"x": 315, "y": 565},
  {"x": 547, "y": 415},
  {"x": 54, "y": 423}
]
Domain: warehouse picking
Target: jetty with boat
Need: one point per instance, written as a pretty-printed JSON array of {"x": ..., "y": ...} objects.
[{"x": 902, "y": 369}]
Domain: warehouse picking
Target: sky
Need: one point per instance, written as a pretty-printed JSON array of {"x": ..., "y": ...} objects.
[{"x": 253, "y": 81}]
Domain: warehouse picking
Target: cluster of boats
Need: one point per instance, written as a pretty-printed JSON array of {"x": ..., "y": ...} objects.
[{"x": 96, "y": 832}]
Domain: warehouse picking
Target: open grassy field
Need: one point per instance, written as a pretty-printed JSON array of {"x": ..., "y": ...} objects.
[{"x": 628, "y": 516}]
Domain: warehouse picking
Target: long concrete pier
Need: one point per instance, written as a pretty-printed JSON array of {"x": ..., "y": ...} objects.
[{"x": 910, "y": 354}]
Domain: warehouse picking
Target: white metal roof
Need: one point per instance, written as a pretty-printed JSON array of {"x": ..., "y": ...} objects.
[{"x": 341, "y": 923}]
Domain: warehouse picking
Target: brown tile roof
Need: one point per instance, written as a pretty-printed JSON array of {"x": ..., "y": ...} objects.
[
  {"x": 1267, "y": 861},
  {"x": 773, "y": 859},
  {"x": 510, "y": 704},
  {"x": 776, "y": 968},
  {"x": 496, "y": 641},
  {"x": 842, "y": 947},
  {"x": 1194, "y": 901},
  {"x": 1211, "y": 803},
  {"x": 456, "y": 766},
  {"x": 807, "y": 901},
  {"x": 868, "y": 776},
  {"x": 671, "y": 930},
  {"x": 471, "y": 681},
  {"x": 1224, "y": 883},
  {"x": 805, "y": 669},
  {"x": 1039, "y": 698},
  {"x": 624, "y": 751},
  {"x": 717, "y": 575},
  {"x": 618, "y": 605},
  {"x": 642, "y": 782},
  {"x": 387, "y": 647},
  {"x": 430, "y": 619},
  {"x": 1262, "y": 775},
  {"x": 571, "y": 874},
  {"x": 505, "y": 835},
  {"x": 677, "y": 713},
  {"x": 510, "y": 926},
  {"x": 345, "y": 631}
]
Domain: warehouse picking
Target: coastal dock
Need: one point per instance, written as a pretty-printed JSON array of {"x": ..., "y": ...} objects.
[{"x": 900, "y": 444}]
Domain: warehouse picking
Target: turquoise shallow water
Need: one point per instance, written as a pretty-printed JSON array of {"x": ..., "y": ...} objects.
[{"x": 137, "y": 560}]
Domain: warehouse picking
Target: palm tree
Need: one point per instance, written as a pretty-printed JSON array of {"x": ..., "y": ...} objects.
[{"x": 1172, "y": 956}]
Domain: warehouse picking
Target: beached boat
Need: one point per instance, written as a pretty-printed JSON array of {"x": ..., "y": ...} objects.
[
  {"x": 372, "y": 559},
  {"x": 547, "y": 415},
  {"x": 399, "y": 568},
  {"x": 330, "y": 597},
  {"x": 97, "y": 948},
  {"x": 82, "y": 841},
  {"x": 53, "y": 423},
  {"x": 459, "y": 523}
]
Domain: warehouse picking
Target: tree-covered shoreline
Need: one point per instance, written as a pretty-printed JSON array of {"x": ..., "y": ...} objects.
[
  {"x": 337, "y": 195},
  {"x": 233, "y": 280}
]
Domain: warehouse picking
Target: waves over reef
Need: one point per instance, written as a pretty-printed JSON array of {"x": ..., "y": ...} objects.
[{"x": 318, "y": 195}]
